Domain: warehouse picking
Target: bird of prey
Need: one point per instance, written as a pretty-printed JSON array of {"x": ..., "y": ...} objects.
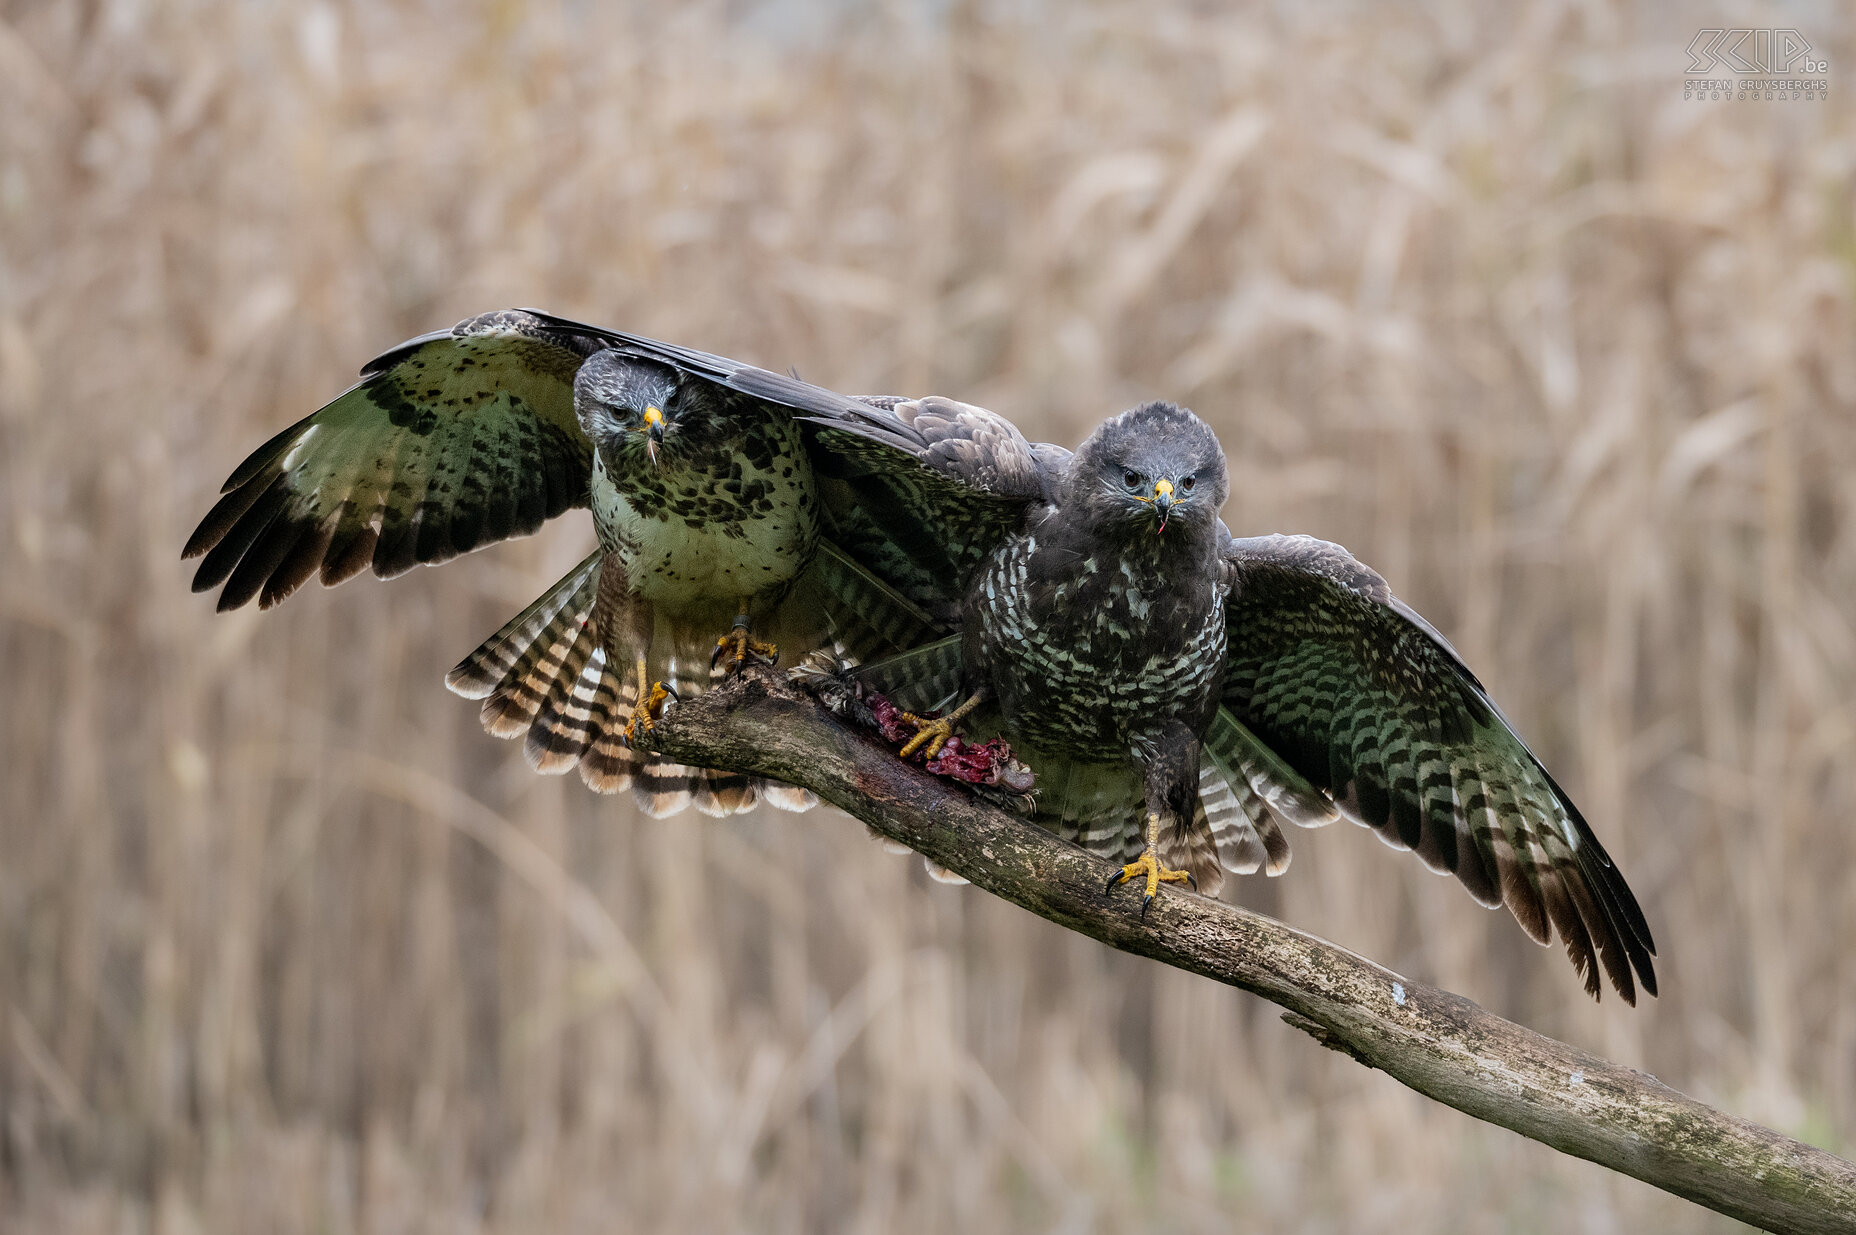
[
  {"x": 703, "y": 492},
  {"x": 1179, "y": 691}
]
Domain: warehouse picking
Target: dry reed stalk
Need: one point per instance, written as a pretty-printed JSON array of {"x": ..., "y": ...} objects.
[{"x": 1482, "y": 298}]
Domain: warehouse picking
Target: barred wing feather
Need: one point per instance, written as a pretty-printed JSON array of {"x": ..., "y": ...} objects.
[
  {"x": 450, "y": 441},
  {"x": 1361, "y": 698}
]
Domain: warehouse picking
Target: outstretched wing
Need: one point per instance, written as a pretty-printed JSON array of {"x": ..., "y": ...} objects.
[
  {"x": 450, "y": 441},
  {"x": 920, "y": 491},
  {"x": 460, "y": 438},
  {"x": 1359, "y": 694},
  {"x": 915, "y": 491}
]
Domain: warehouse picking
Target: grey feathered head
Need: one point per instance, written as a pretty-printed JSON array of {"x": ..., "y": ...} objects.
[
  {"x": 1154, "y": 466},
  {"x": 625, "y": 403}
]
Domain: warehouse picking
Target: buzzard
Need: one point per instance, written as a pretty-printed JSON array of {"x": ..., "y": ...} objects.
[
  {"x": 704, "y": 493},
  {"x": 1179, "y": 691}
]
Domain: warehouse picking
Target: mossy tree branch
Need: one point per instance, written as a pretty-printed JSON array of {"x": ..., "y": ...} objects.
[{"x": 1440, "y": 1044}]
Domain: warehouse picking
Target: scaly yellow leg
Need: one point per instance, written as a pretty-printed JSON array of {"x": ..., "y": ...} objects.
[
  {"x": 649, "y": 707},
  {"x": 741, "y": 645},
  {"x": 932, "y": 735},
  {"x": 1148, "y": 869}
]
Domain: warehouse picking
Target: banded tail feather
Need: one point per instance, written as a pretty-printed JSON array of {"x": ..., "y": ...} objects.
[
  {"x": 483, "y": 672},
  {"x": 782, "y": 796},
  {"x": 1103, "y": 808},
  {"x": 547, "y": 677},
  {"x": 1243, "y": 787},
  {"x": 609, "y": 762},
  {"x": 663, "y": 787},
  {"x": 1195, "y": 847},
  {"x": 1264, "y": 792},
  {"x": 1242, "y": 830},
  {"x": 571, "y": 714}
]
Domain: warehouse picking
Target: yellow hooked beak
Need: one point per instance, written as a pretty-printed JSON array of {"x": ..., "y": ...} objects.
[
  {"x": 653, "y": 431},
  {"x": 1163, "y": 500}
]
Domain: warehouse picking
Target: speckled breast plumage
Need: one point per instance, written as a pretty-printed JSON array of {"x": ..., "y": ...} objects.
[
  {"x": 1091, "y": 654},
  {"x": 729, "y": 511}
]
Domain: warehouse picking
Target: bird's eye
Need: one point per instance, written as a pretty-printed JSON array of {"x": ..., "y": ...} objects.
[
  {"x": 1131, "y": 479},
  {"x": 1185, "y": 485}
]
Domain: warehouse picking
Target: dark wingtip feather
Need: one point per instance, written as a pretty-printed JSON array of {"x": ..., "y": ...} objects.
[
  {"x": 1606, "y": 872},
  {"x": 228, "y": 556},
  {"x": 1646, "y": 976},
  {"x": 349, "y": 553},
  {"x": 298, "y": 566},
  {"x": 1562, "y": 908},
  {"x": 267, "y": 552},
  {"x": 219, "y": 521},
  {"x": 1631, "y": 944}
]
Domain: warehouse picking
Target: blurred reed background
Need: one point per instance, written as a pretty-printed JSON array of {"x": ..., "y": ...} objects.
[{"x": 288, "y": 944}]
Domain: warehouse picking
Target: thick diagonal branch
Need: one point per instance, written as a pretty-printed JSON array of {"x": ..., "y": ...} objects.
[{"x": 1441, "y": 1045}]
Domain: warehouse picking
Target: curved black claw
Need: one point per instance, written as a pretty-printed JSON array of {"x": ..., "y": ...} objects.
[
  {"x": 1150, "y": 872},
  {"x": 742, "y": 649},
  {"x": 646, "y": 712}
]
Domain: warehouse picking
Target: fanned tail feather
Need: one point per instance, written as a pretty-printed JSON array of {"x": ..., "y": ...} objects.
[
  {"x": 527, "y": 635},
  {"x": 1103, "y": 807},
  {"x": 562, "y": 727},
  {"x": 1239, "y": 822},
  {"x": 663, "y": 787},
  {"x": 782, "y": 796},
  {"x": 609, "y": 762},
  {"x": 545, "y": 677},
  {"x": 1195, "y": 849}
]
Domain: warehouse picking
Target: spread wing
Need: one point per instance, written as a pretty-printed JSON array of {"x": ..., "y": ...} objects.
[
  {"x": 461, "y": 438},
  {"x": 450, "y": 441},
  {"x": 916, "y": 492},
  {"x": 1359, "y": 694},
  {"x": 920, "y": 491}
]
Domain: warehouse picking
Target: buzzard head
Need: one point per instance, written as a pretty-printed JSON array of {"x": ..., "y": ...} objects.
[
  {"x": 626, "y": 404},
  {"x": 1155, "y": 470}
]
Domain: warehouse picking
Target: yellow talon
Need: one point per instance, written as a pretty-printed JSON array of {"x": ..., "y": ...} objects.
[
  {"x": 650, "y": 706},
  {"x": 930, "y": 735},
  {"x": 740, "y": 647},
  {"x": 1148, "y": 869}
]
